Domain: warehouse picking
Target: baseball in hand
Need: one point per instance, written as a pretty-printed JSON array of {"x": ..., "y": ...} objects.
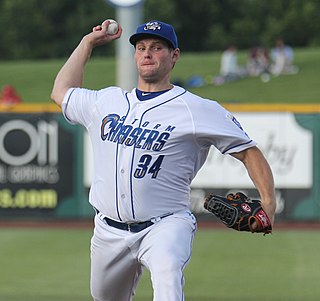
[{"x": 113, "y": 27}]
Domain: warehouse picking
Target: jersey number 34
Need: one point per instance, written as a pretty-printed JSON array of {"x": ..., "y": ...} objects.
[{"x": 147, "y": 165}]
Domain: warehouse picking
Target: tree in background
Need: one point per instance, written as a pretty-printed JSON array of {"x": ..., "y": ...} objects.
[
  {"x": 32, "y": 29},
  {"x": 46, "y": 29},
  {"x": 207, "y": 25}
]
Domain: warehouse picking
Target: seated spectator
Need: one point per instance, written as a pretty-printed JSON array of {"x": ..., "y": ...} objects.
[
  {"x": 229, "y": 62},
  {"x": 258, "y": 61},
  {"x": 282, "y": 57},
  {"x": 229, "y": 68}
]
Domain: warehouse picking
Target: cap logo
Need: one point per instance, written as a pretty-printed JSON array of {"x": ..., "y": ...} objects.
[{"x": 152, "y": 26}]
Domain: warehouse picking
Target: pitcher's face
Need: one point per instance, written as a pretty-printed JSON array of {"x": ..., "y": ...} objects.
[{"x": 154, "y": 59}]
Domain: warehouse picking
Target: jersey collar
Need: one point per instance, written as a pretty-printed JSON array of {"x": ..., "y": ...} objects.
[{"x": 142, "y": 95}]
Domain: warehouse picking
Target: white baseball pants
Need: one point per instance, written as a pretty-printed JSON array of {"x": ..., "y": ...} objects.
[{"x": 118, "y": 258}]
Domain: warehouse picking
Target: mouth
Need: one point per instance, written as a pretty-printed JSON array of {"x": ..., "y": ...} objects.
[{"x": 147, "y": 64}]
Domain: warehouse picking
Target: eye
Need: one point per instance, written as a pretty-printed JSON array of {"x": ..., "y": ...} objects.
[
  {"x": 157, "y": 47},
  {"x": 140, "y": 48}
]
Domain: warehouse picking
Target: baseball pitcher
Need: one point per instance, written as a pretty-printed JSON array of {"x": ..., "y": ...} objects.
[{"x": 148, "y": 145}]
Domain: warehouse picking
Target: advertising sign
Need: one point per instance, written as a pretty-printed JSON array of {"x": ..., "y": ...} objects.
[
  {"x": 38, "y": 164},
  {"x": 287, "y": 146}
]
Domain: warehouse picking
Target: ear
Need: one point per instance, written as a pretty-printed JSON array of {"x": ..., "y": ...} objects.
[{"x": 176, "y": 55}]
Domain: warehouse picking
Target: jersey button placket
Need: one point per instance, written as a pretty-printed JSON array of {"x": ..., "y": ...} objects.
[
  {"x": 125, "y": 157},
  {"x": 124, "y": 160}
]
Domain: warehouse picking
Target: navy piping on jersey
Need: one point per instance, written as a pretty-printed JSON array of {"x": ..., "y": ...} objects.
[
  {"x": 65, "y": 111},
  {"x": 236, "y": 146},
  {"x": 134, "y": 147}
]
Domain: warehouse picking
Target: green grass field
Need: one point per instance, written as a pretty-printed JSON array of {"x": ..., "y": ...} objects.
[
  {"x": 33, "y": 79},
  {"x": 53, "y": 264}
]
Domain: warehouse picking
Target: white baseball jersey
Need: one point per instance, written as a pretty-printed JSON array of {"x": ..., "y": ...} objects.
[{"x": 146, "y": 153}]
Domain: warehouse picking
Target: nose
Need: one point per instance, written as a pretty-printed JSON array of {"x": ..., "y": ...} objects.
[{"x": 147, "y": 53}]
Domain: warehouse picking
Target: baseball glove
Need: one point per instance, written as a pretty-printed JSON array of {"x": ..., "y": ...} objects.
[{"x": 237, "y": 211}]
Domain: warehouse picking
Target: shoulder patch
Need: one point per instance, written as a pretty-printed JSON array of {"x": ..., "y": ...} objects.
[{"x": 236, "y": 122}]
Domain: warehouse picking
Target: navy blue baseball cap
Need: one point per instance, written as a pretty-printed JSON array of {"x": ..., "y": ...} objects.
[{"x": 157, "y": 29}]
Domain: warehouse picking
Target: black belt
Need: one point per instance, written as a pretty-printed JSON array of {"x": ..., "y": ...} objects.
[{"x": 131, "y": 227}]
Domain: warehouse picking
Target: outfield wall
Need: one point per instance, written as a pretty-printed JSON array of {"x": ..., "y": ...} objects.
[{"x": 46, "y": 167}]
